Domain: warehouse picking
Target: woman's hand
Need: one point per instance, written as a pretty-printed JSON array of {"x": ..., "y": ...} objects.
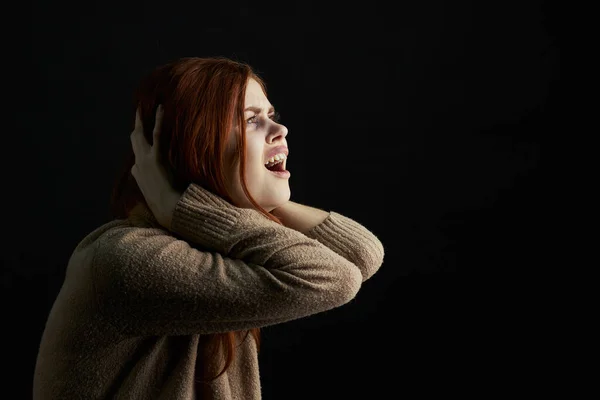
[
  {"x": 150, "y": 175},
  {"x": 299, "y": 217}
]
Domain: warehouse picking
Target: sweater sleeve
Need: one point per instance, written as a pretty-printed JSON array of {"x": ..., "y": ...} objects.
[
  {"x": 248, "y": 272},
  {"x": 352, "y": 241}
]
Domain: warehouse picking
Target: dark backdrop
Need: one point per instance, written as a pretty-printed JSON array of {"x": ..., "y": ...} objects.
[{"x": 424, "y": 121}]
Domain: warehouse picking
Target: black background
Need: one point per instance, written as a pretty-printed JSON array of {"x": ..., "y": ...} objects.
[{"x": 424, "y": 121}]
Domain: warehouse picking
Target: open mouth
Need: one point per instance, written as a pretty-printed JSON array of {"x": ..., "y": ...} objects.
[{"x": 276, "y": 166}]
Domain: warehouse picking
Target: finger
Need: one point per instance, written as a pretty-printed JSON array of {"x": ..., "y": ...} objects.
[
  {"x": 137, "y": 125},
  {"x": 157, "y": 126},
  {"x": 138, "y": 140},
  {"x": 138, "y": 120},
  {"x": 133, "y": 138}
]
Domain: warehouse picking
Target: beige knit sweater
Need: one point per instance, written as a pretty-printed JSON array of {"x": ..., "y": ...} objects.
[{"x": 137, "y": 298}]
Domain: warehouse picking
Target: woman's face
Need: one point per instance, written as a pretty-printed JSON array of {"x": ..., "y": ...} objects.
[{"x": 264, "y": 138}]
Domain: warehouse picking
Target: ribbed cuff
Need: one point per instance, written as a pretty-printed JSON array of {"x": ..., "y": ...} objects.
[
  {"x": 203, "y": 196},
  {"x": 349, "y": 238},
  {"x": 204, "y": 218}
]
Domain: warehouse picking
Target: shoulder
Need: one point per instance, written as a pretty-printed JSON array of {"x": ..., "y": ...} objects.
[
  {"x": 120, "y": 233},
  {"x": 123, "y": 248}
]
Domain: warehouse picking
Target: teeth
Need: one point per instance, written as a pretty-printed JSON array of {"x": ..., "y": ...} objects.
[{"x": 277, "y": 157}]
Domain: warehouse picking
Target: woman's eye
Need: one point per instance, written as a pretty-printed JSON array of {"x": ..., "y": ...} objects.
[{"x": 275, "y": 117}]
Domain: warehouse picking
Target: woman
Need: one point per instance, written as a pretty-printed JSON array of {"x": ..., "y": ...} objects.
[{"x": 166, "y": 300}]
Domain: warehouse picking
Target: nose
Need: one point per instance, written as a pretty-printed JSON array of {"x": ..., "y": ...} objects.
[{"x": 278, "y": 132}]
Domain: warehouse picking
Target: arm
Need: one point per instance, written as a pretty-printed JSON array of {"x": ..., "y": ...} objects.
[
  {"x": 257, "y": 272},
  {"x": 341, "y": 234}
]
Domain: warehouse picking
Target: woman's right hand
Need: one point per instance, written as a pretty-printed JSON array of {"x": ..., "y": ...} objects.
[{"x": 150, "y": 175}]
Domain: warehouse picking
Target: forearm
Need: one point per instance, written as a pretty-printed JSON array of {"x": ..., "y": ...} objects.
[{"x": 300, "y": 217}]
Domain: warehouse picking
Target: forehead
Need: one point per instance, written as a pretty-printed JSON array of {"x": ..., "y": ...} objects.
[{"x": 255, "y": 96}]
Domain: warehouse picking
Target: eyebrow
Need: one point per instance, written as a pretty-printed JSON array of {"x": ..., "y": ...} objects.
[{"x": 258, "y": 109}]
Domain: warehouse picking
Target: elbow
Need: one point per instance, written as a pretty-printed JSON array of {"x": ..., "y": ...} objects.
[
  {"x": 348, "y": 285},
  {"x": 370, "y": 259}
]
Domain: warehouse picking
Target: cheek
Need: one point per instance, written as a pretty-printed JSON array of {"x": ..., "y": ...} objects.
[
  {"x": 254, "y": 156},
  {"x": 254, "y": 171}
]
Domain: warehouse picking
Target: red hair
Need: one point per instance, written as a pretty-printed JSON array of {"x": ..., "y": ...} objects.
[{"x": 203, "y": 98}]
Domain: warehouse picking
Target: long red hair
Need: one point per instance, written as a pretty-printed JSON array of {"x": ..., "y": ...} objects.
[{"x": 203, "y": 98}]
